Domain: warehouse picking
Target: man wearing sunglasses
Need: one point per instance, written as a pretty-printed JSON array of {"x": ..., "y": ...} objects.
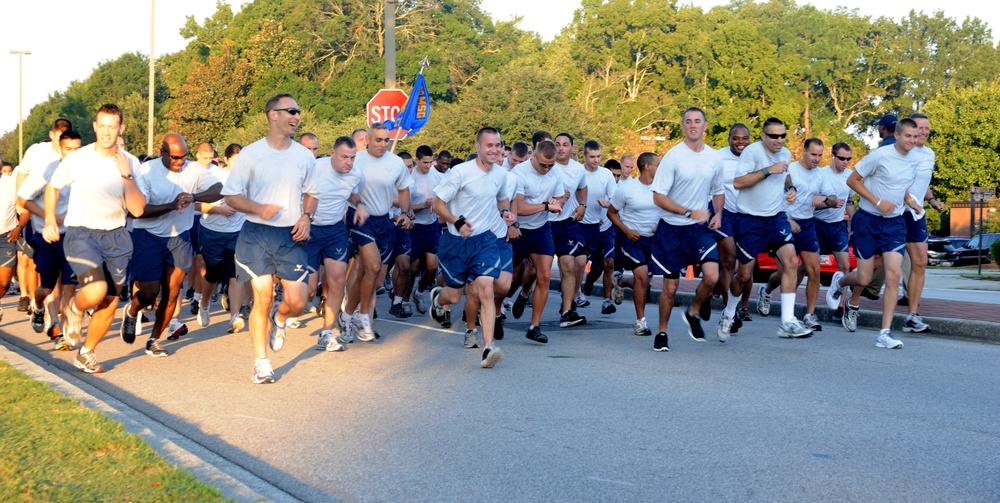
[
  {"x": 831, "y": 226},
  {"x": 760, "y": 224},
  {"x": 539, "y": 194},
  {"x": 161, "y": 238},
  {"x": 273, "y": 183}
]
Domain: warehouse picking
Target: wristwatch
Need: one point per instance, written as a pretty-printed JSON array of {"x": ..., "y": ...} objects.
[
  {"x": 516, "y": 225},
  {"x": 687, "y": 214},
  {"x": 128, "y": 177},
  {"x": 310, "y": 215}
]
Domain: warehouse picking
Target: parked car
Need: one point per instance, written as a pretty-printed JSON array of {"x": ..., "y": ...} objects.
[
  {"x": 766, "y": 264},
  {"x": 957, "y": 241},
  {"x": 969, "y": 253},
  {"x": 940, "y": 252}
]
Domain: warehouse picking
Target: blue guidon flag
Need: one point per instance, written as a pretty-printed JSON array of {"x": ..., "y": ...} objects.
[{"x": 417, "y": 110}]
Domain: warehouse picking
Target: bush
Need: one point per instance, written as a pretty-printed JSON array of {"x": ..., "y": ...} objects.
[{"x": 995, "y": 251}]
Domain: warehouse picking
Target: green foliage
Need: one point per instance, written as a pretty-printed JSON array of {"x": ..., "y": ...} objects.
[{"x": 995, "y": 251}]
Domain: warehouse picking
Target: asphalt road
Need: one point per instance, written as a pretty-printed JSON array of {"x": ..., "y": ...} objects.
[{"x": 594, "y": 415}]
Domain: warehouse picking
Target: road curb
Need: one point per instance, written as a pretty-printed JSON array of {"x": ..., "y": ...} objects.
[
  {"x": 940, "y": 327},
  {"x": 232, "y": 480}
]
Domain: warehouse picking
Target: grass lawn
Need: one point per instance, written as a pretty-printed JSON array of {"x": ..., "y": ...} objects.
[{"x": 54, "y": 449}]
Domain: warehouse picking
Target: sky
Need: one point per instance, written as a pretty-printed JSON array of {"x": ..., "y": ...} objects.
[{"x": 54, "y": 64}]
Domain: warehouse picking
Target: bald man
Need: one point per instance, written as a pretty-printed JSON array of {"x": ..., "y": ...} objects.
[
  {"x": 161, "y": 237},
  {"x": 311, "y": 142}
]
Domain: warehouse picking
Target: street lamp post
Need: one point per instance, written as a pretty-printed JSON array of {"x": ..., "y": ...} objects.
[{"x": 20, "y": 101}]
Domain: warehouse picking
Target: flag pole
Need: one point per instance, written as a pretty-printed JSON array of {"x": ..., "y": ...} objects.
[{"x": 424, "y": 63}]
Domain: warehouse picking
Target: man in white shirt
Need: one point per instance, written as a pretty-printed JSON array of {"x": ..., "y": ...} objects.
[
  {"x": 831, "y": 227},
  {"x": 338, "y": 184},
  {"x": 10, "y": 231},
  {"x": 688, "y": 178},
  {"x": 472, "y": 198},
  {"x": 760, "y": 223},
  {"x": 273, "y": 183},
  {"x": 596, "y": 230},
  {"x": 882, "y": 180},
  {"x": 50, "y": 260},
  {"x": 739, "y": 139},
  {"x": 812, "y": 193},
  {"x": 426, "y": 230},
  {"x": 385, "y": 178},
  {"x": 161, "y": 237},
  {"x": 636, "y": 215},
  {"x": 540, "y": 193},
  {"x": 96, "y": 244},
  {"x": 566, "y": 236}
]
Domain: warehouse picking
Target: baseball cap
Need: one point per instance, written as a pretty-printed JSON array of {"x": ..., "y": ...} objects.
[{"x": 888, "y": 120}]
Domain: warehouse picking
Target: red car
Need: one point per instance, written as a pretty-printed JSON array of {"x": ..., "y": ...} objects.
[{"x": 766, "y": 264}]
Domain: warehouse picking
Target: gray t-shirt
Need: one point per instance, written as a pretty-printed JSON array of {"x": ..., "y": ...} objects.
[
  {"x": 767, "y": 197},
  {"x": 688, "y": 178},
  {"x": 265, "y": 175}
]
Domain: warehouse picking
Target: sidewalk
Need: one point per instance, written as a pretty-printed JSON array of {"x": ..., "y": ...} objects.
[{"x": 947, "y": 318}]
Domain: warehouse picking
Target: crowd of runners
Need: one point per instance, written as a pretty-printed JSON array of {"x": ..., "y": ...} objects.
[{"x": 276, "y": 229}]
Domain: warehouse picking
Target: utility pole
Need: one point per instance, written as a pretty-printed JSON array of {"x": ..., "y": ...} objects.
[
  {"x": 390, "y": 44},
  {"x": 152, "y": 39},
  {"x": 20, "y": 102}
]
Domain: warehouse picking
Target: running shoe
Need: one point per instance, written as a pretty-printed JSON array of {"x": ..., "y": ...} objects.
[
  {"x": 793, "y": 330},
  {"x": 571, "y": 319},
  {"x": 811, "y": 321},
  {"x": 694, "y": 327},
  {"x": 87, "y": 362},
  {"x": 834, "y": 292},
  {"x": 617, "y": 292},
  {"x": 535, "y": 334},
  {"x": 471, "y": 339},
  {"x": 640, "y": 329},
  {"x": 128, "y": 331},
  {"x": 608, "y": 307},
  {"x": 491, "y": 357},
  {"x": 661, "y": 343},
  {"x": 886, "y": 341},
  {"x": 850, "y": 320},
  {"x": 915, "y": 324},
  {"x": 763, "y": 301},
  {"x": 154, "y": 349},
  {"x": 262, "y": 372},
  {"x": 331, "y": 341}
]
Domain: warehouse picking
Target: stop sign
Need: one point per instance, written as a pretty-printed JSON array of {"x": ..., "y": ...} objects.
[{"x": 386, "y": 106}]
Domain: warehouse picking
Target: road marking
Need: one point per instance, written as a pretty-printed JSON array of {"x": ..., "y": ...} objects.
[
  {"x": 619, "y": 482},
  {"x": 415, "y": 325}
]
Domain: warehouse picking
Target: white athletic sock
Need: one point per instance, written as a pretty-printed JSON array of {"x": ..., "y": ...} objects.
[
  {"x": 197, "y": 297},
  {"x": 787, "y": 307},
  {"x": 397, "y": 300},
  {"x": 730, "y": 310}
]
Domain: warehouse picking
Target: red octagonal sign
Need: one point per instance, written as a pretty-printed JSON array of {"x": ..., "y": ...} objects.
[{"x": 386, "y": 105}]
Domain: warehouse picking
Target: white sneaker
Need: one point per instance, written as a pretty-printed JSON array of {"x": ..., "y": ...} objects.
[
  {"x": 471, "y": 339},
  {"x": 850, "y": 319},
  {"x": 725, "y": 328},
  {"x": 617, "y": 292},
  {"x": 793, "y": 330},
  {"x": 277, "y": 336},
  {"x": 204, "y": 317},
  {"x": 262, "y": 371},
  {"x": 811, "y": 321},
  {"x": 763, "y": 301},
  {"x": 915, "y": 324},
  {"x": 236, "y": 323},
  {"x": 886, "y": 341},
  {"x": 362, "y": 328},
  {"x": 833, "y": 293},
  {"x": 293, "y": 323},
  {"x": 641, "y": 329},
  {"x": 330, "y": 341}
]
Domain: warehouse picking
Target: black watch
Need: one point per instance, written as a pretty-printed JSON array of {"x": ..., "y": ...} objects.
[
  {"x": 687, "y": 214},
  {"x": 516, "y": 225}
]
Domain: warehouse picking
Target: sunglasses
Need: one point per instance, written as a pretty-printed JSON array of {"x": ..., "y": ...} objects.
[
  {"x": 775, "y": 136},
  {"x": 178, "y": 157},
  {"x": 291, "y": 111},
  {"x": 845, "y": 159},
  {"x": 546, "y": 166}
]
